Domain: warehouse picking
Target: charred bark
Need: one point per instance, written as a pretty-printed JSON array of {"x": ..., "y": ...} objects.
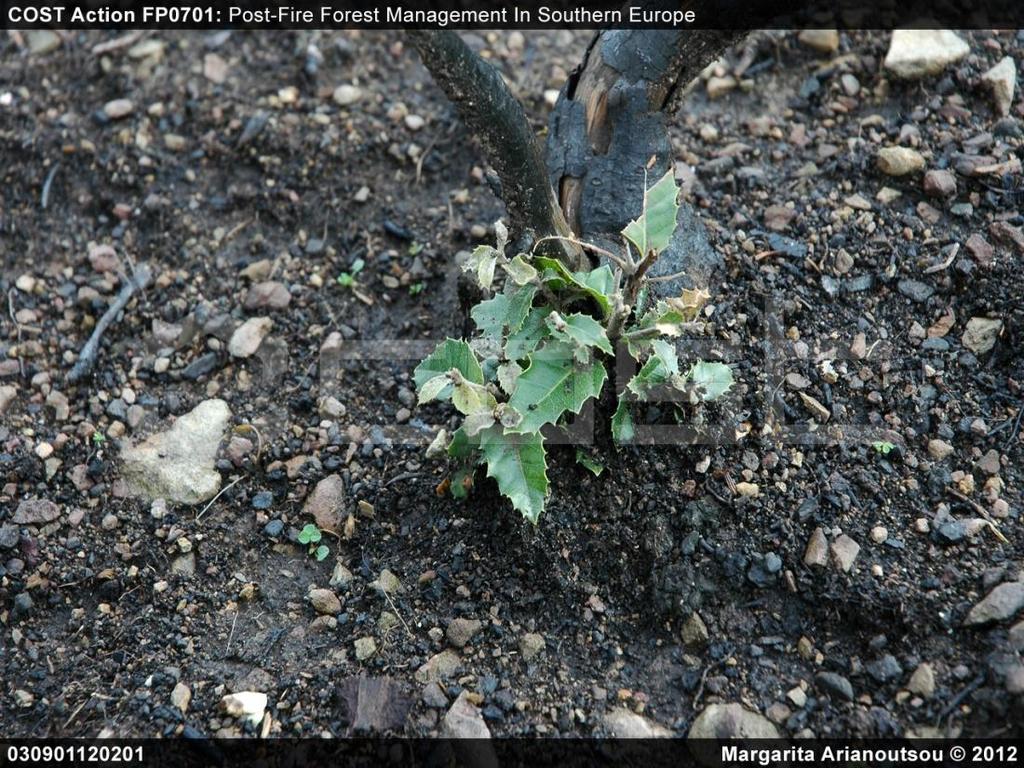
[
  {"x": 608, "y": 133},
  {"x": 489, "y": 110}
]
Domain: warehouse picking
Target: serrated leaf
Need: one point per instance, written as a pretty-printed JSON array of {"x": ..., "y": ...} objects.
[
  {"x": 517, "y": 462},
  {"x": 659, "y": 369},
  {"x": 596, "y": 284},
  {"x": 622, "y": 422},
  {"x": 449, "y": 354},
  {"x": 554, "y": 384},
  {"x": 433, "y": 387},
  {"x": 712, "y": 380},
  {"x": 504, "y": 311},
  {"x": 520, "y": 271},
  {"x": 585, "y": 460},
  {"x": 469, "y": 398},
  {"x": 508, "y": 375},
  {"x": 653, "y": 229},
  {"x": 523, "y": 342},
  {"x": 582, "y": 330}
]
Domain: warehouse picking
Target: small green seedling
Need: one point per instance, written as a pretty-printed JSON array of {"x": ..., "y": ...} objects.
[
  {"x": 98, "y": 438},
  {"x": 415, "y": 248},
  {"x": 310, "y": 535},
  {"x": 348, "y": 279},
  {"x": 417, "y": 288},
  {"x": 545, "y": 343},
  {"x": 883, "y": 447}
]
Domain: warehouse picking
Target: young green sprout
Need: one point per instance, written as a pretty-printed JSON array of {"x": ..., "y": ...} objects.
[{"x": 543, "y": 347}]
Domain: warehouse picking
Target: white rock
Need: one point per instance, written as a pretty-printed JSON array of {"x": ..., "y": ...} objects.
[
  {"x": 178, "y": 464},
  {"x": 624, "y": 724},
  {"x": 118, "y": 108},
  {"x": 249, "y": 335},
  {"x": 844, "y": 552},
  {"x": 464, "y": 721},
  {"x": 729, "y": 721},
  {"x": 1001, "y": 80},
  {"x": 181, "y": 696},
  {"x": 821, "y": 40},
  {"x": 899, "y": 161},
  {"x": 981, "y": 334},
  {"x": 347, "y": 95},
  {"x": 917, "y": 53},
  {"x": 249, "y": 705}
]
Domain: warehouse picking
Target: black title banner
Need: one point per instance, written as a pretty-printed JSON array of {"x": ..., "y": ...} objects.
[
  {"x": 196, "y": 751},
  {"x": 511, "y": 14}
]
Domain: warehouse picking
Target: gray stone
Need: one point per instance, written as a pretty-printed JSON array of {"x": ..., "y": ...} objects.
[
  {"x": 8, "y": 536},
  {"x": 885, "y": 669},
  {"x": 844, "y": 552},
  {"x": 817, "y": 549},
  {"x": 915, "y": 290},
  {"x": 461, "y": 631},
  {"x": 922, "y": 682},
  {"x": 695, "y": 631},
  {"x": 834, "y": 684},
  {"x": 434, "y": 697},
  {"x": 731, "y": 721},
  {"x": 365, "y": 648},
  {"x": 438, "y": 667},
  {"x": 530, "y": 645},
  {"x": 1003, "y": 602},
  {"x": 178, "y": 464},
  {"x": 35, "y": 512}
]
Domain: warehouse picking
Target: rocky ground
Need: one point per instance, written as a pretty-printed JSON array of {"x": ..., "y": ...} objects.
[{"x": 850, "y": 563}]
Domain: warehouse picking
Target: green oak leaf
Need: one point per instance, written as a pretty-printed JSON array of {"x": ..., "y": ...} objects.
[
  {"x": 582, "y": 330},
  {"x": 520, "y": 271},
  {"x": 552, "y": 385},
  {"x": 517, "y": 462},
  {"x": 508, "y": 375},
  {"x": 433, "y": 387},
  {"x": 622, "y": 422},
  {"x": 652, "y": 230},
  {"x": 533, "y": 331},
  {"x": 585, "y": 460},
  {"x": 597, "y": 284},
  {"x": 506, "y": 310},
  {"x": 712, "y": 380},
  {"x": 659, "y": 369},
  {"x": 447, "y": 355},
  {"x": 469, "y": 398}
]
